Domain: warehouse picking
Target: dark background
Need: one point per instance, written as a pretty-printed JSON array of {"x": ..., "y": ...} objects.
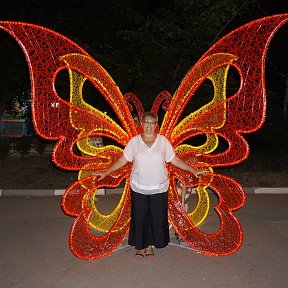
[{"x": 148, "y": 46}]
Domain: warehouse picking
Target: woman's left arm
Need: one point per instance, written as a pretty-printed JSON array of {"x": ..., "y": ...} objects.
[{"x": 178, "y": 162}]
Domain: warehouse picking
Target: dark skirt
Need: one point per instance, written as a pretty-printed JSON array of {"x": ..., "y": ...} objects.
[{"x": 149, "y": 220}]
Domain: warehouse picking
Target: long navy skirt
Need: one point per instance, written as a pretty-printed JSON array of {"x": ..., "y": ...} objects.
[{"x": 149, "y": 220}]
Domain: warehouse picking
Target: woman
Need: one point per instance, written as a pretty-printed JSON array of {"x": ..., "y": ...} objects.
[{"x": 149, "y": 153}]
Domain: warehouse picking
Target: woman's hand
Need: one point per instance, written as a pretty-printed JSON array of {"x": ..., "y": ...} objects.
[
  {"x": 178, "y": 162},
  {"x": 115, "y": 166},
  {"x": 198, "y": 173},
  {"x": 102, "y": 174}
]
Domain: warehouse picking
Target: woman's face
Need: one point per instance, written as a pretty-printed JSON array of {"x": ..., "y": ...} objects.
[{"x": 149, "y": 125}]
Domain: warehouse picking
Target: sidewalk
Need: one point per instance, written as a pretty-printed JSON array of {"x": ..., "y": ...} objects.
[{"x": 35, "y": 253}]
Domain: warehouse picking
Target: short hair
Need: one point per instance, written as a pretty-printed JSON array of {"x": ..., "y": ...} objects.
[{"x": 149, "y": 113}]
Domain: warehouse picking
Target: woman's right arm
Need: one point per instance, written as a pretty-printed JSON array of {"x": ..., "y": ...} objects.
[{"x": 115, "y": 166}]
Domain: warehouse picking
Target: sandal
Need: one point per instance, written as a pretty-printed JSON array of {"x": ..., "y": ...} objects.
[
  {"x": 149, "y": 254},
  {"x": 140, "y": 254}
]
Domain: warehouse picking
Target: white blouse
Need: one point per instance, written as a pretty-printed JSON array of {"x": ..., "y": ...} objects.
[{"x": 149, "y": 173}]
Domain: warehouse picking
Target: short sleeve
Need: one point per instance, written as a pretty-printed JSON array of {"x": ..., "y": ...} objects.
[
  {"x": 128, "y": 151},
  {"x": 169, "y": 151}
]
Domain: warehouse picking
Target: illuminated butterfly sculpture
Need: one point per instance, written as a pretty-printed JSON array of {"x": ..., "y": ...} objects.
[{"x": 75, "y": 122}]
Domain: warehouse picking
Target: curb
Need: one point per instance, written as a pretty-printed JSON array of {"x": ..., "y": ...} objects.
[
  {"x": 39, "y": 192},
  {"x": 102, "y": 191},
  {"x": 276, "y": 190}
]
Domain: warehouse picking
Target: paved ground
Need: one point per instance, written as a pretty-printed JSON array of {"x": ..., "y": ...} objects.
[{"x": 35, "y": 252}]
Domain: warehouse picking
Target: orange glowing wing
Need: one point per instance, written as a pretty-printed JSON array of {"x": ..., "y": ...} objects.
[
  {"x": 222, "y": 117},
  {"x": 73, "y": 123}
]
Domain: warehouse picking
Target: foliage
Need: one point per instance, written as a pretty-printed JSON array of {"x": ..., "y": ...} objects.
[
  {"x": 23, "y": 146},
  {"x": 14, "y": 76}
]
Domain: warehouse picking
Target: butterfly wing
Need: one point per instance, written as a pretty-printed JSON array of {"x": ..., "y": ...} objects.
[
  {"x": 227, "y": 118},
  {"x": 73, "y": 123}
]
